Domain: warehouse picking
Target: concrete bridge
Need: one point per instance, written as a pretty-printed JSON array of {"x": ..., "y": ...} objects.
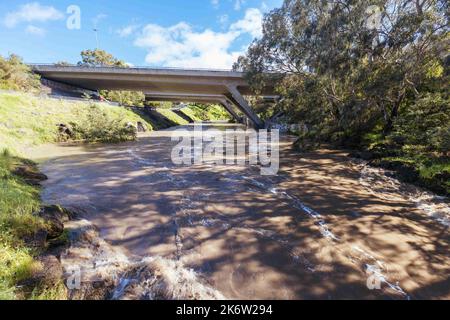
[{"x": 203, "y": 86}]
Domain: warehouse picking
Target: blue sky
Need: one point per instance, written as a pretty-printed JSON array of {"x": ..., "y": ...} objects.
[{"x": 171, "y": 33}]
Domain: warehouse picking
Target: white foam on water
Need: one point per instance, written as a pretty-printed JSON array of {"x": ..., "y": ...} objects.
[
  {"x": 119, "y": 291},
  {"x": 206, "y": 222},
  {"x": 375, "y": 271},
  {"x": 326, "y": 232},
  {"x": 298, "y": 204},
  {"x": 375, "y": 268},
  {"x": 133, "y": 153},
  {"x": 441, "y": 215},
  {"x": 380, "y": 185}
]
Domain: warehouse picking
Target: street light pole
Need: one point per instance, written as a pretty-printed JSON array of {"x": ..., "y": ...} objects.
[{"x": 96, "y": 36}]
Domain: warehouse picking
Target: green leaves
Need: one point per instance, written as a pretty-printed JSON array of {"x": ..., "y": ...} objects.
[
  {"x": 342, "y": 76},
  {"x": 426, "y": 122},
  {"x": 125, "y": 98},
  {"x": 99, "y": 126},
  {"x": 15, "y": 75},
  {"x": 100, "y": 58}
]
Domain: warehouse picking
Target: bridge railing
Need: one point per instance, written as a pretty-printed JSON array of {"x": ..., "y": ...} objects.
[{"x": 127, "y": 67}]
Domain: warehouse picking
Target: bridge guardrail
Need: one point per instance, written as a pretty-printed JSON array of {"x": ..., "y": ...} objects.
[{"x": 128, "y": 68}]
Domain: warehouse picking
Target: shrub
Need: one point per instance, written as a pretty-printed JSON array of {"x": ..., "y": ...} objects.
[
  {"x": 125, "y": 98},
  {"x": 99, "y": 126},
  {"x": 425, "y": 122},
  {"x": 15, "y": 75},
  {"x": 208, "y": 112}
]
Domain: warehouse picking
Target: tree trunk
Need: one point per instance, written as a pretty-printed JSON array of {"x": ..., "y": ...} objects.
[{"x": 393, "y": 114}]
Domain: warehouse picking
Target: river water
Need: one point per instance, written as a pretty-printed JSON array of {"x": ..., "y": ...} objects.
[{"x": 325, "y": 227}]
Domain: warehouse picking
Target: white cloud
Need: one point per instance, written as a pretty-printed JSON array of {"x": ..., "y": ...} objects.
[
  {"x": 252, "y": 23},
  {"x": 182, "y": 46},
  {"x": 35, "y": 30},
  {"x": 127, "y": 31},
  {"x": 32, "y": 12}
]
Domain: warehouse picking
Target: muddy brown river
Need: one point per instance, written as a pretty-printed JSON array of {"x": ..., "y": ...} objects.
[{"x": 325, "y": 227}]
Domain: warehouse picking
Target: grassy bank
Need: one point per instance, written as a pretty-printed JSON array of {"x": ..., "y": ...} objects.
[
  {"x": 19, "y": 225},
  {"x": 206, "y": 113},
  {"x": 172, "y": 117},
  {"x": 18, "y": 201},
  {"x": 414, "y": 164},
  {"x": 27, "y": 120}
]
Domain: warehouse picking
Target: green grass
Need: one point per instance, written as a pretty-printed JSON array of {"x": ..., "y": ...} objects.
[
  {"x": 434, "y": 168},
  {"x": 207, "y": 113},
  {"x": 17, "y": 263},
  {"x": 432, "y": 173},
  {"x": 18, "y": 202},
  {"x": 191, "y": 114},
  {"x": 194, "y": 112},
  {"x": 56, "y": 292},
  {"x": 27, "y": 120},
  {"x": 173, "y": 117},
  {"x": 415, "y": 164}
]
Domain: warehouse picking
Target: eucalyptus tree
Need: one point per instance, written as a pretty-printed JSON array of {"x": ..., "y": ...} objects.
[{"x": 349, "y": 65}]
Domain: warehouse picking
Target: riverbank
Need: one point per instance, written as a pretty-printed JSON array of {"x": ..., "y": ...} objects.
[
  {"x": 410, "y": 164},
  {"x": 25, "y": 235},
  {"x": 426, "y": 170}
]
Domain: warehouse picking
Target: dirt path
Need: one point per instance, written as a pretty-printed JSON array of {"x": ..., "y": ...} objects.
[{"x": 324, "y": 228}]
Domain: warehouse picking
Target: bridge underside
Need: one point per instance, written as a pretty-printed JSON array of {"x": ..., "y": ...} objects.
[
  {"x": 199, "y": 98},
  {"x": 225, "y": 87}
]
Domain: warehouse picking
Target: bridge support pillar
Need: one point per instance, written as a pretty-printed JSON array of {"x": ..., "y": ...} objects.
[
  {"x": 227, "y": 105},
  {"x": 242, "y": 104}
]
